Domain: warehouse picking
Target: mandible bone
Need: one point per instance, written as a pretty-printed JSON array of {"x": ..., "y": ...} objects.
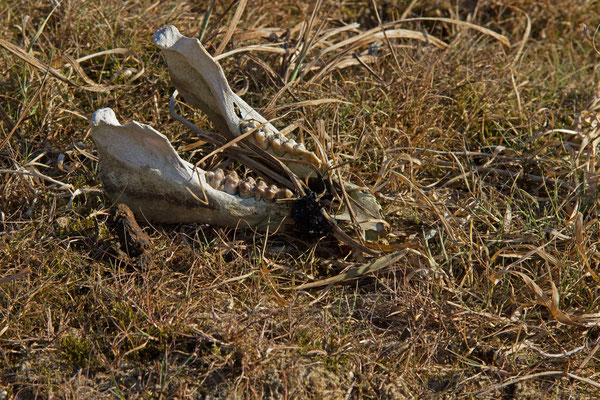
[
  {"x": 201, "y": 81},
  {"x": 140, "y": 168}
]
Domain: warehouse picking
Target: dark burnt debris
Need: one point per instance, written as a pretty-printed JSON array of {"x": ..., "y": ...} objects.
[{"x": 309, "y": 217}]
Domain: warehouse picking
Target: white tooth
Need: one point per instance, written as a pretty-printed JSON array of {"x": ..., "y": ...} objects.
[
  {"x": 311, "y": 158},
  {"x": 276, "y": 145},
  {"x": 299, "y": 149},
  {"x": 247, "y": 126},
  {"x": 284, "y": 194},
  {"x": 288, "y": 146},
  {"x": 261, "y": 139},
  {"x": 270, "y": 193},
  {"x": 216, "y": 180},
  {"x": 246, "y": 188},
  {"x": 259, "y": 190},
  {"x": 231, "y": 183},
  {"x": 244, "y": 127}
]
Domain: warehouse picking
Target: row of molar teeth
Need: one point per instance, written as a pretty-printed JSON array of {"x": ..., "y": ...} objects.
[
  {"x": 245, "y": 188},
  {"x": 279, "y": 143}
]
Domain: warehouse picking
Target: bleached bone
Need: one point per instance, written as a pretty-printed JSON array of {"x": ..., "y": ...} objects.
[
  {"x": 201, "y": 81},
  {"x": 139, "y": 167}
]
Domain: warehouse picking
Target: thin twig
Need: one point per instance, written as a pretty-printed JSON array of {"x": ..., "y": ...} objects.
[{"x": 63, "y": 186}]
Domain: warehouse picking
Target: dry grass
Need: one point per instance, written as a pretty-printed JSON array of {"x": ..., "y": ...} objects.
[{"x": 476, "y": 149}]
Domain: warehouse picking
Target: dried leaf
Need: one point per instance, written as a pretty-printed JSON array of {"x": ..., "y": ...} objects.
[{"x": 357, "y": 272}]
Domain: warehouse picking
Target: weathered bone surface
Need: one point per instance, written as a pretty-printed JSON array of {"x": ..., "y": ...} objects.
[
  {"x": 201, "y": 81},
  {"x": 139, "y": 167}
]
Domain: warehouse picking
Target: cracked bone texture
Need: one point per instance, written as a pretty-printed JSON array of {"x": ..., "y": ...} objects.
[
  {"x": 201, "y": 81},
  {"x": 140, "y": 168}
]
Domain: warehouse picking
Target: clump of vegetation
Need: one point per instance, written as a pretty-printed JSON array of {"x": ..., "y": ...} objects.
[{"x": 479, "y": 138}]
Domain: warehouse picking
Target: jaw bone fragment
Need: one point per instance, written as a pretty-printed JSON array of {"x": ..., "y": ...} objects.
[
  {"x": 201, "y": 81},
  {"x": 140, "y": 168}
]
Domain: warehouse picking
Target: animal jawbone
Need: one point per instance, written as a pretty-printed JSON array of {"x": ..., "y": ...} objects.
[{"x": 139, "y": 167}]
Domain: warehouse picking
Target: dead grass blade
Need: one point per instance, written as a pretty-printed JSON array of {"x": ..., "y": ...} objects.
[
  {"x": 23, "y": 114},
  {"x": 78, "y": 70},
  {"x": 587, "y": 358},
  {"x": 225, "y": 282},
  {"x": 408, "y": 9},
  {"x": 357, "y": 272},
  {"x": 375, "y": 34},
  {"x": 349, "y": 45},
  {"x": 526, "y": 253},
  {"x": 346, "y": 199},
  {"x": 120, "y": 51},
  {"x": 501, "y": 38},
  {"x": 430, "y": 203},
  {"x": 17, "y": 51},
  {"x": 267, "y": 276},
  {"x": 589, "y": 39},
  {"x": 45, "y": 68},
  {"x": 583, "y": 379},
  {"x": 535, "y": 376},
  {"x": 36, "y": 174},
  {"x": 387, "y": 38},
  {"x": 332, "y": 32},
  {"x": 231, "y": 28},
  {"x": 525, "y": 37},
  {"x": 256, "y": 47},
  {"x": 542, "y": 299},
  {"x": 307, "y": 103},
  {"x": 19, "y": 275},
  {"x": 363, "y": 60},
  {"x": 580, "y": 245},
  {"x": 539, "y": 294}
]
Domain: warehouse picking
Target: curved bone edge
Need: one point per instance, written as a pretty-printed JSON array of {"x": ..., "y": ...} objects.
[
  {"x": 201, "y": 81},
  {"x": 139, "y": 167}
]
